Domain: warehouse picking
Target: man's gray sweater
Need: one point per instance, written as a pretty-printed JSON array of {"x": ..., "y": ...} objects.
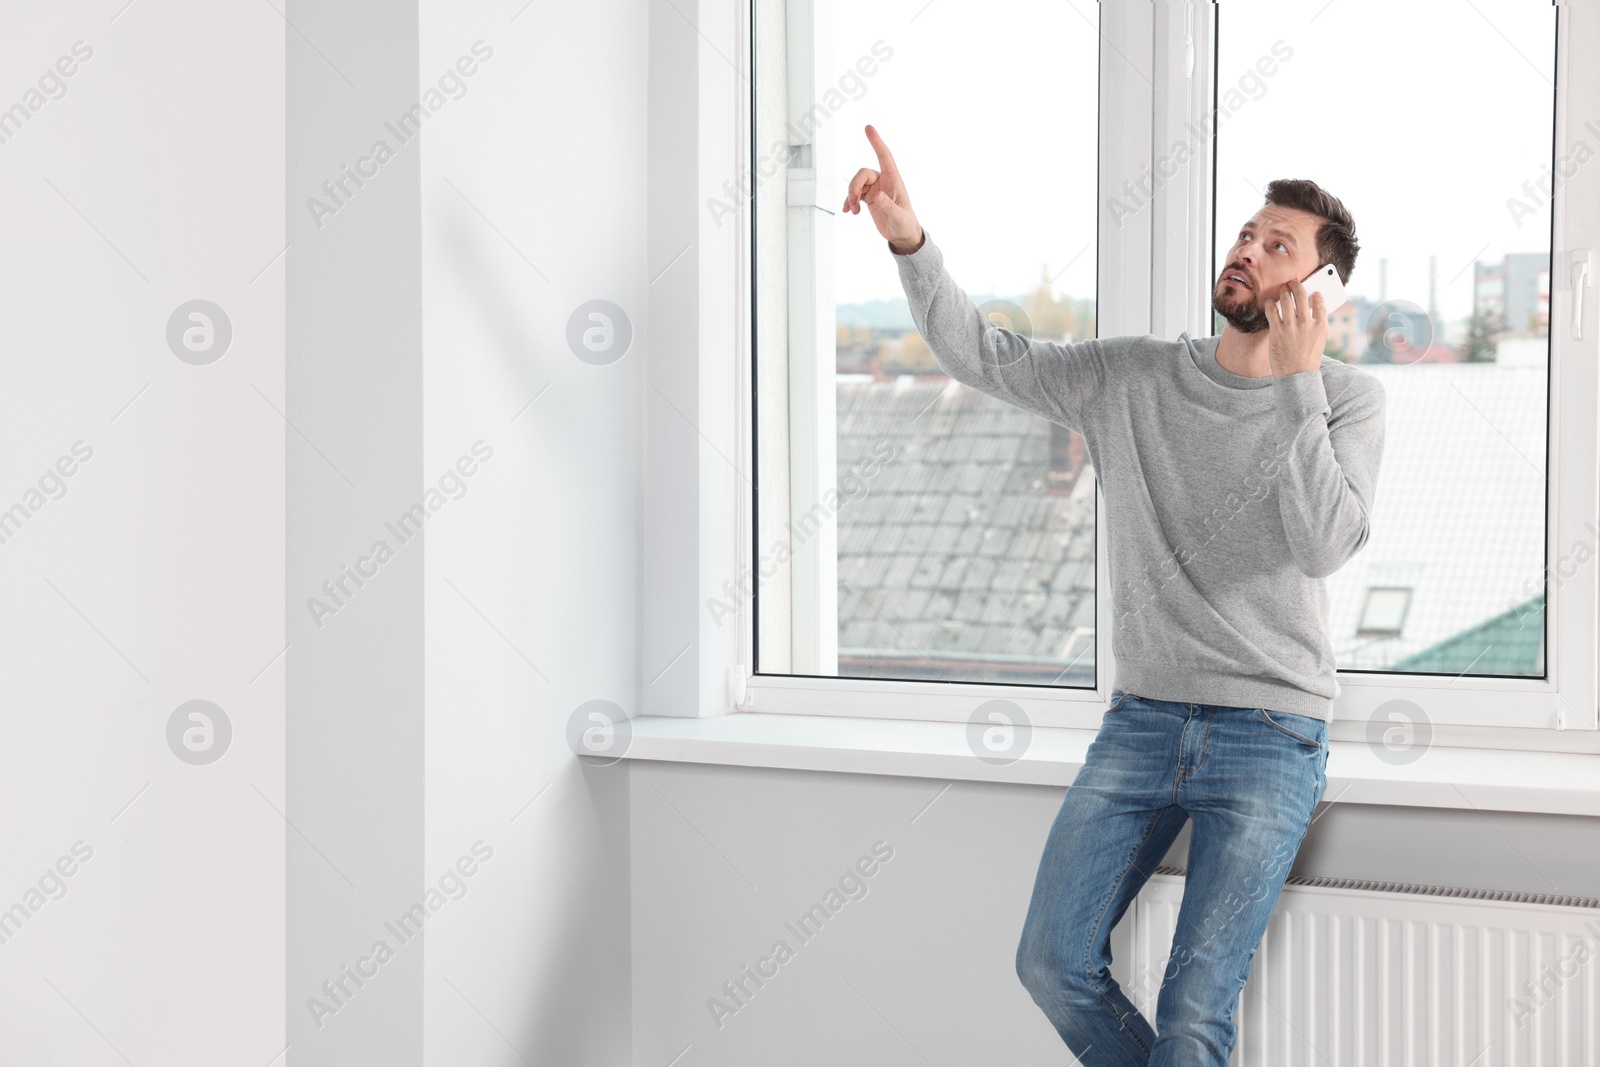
[{"x": 1229, "y": 499}]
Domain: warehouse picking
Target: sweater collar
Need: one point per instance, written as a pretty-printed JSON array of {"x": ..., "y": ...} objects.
[{"x": 1203, "y": 351}]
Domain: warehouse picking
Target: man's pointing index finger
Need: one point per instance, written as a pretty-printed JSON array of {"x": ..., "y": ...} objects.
[{"x": 885, "y": 160}]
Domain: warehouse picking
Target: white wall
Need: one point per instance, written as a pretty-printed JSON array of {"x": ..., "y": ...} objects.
[
  {"x": 533, "y": 194},
  {"x": 918, "y": 970},
  {"x": 158, "y": 178}
]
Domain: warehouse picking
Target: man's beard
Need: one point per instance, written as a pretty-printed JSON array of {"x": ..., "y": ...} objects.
[{"x": 1244, "y": 315}]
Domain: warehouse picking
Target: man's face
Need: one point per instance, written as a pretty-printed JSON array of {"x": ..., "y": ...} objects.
[{"x": 1276, "y": 246}]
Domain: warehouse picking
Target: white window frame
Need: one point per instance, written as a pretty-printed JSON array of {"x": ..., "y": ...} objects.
[{"x": 1148, "y": 267}]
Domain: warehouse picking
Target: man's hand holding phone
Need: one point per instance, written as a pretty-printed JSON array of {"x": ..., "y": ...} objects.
[
  {"x": 1297, "y": 329},
  {"x": 885, "y": 195}
]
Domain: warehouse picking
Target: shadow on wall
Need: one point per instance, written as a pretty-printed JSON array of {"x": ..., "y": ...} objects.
[
  {"x": 573, "y": 898},
  {"x": 462, "y": 236},
  {"x": 584, "y": 972}
]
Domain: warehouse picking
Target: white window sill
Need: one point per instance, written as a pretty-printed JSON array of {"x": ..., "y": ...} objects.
[{"x": 1493, "y": 780}]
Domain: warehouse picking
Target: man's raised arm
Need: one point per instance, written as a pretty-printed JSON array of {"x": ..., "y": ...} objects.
[{"x": 1056, "y": 381}]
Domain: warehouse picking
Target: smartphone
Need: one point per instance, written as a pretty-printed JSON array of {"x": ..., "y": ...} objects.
[{"x": 1325, "y": 280}]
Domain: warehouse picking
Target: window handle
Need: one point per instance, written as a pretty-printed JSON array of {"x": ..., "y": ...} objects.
[{"x": 1580, "y": 282}]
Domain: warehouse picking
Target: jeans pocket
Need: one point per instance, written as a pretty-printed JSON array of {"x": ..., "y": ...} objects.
[{"x": 1295, "y": 725}]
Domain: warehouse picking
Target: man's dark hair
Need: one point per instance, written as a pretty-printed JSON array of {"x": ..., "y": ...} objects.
[{"x": 1336, "y": 239}]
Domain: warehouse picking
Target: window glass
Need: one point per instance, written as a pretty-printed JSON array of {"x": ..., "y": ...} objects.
[
  {"x": 965, "y": 527},
  {"x": 1433, "y": 124}
]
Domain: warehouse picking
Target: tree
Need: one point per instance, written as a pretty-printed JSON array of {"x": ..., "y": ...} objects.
[
  {"x": 1483, "y": 328},
  {"x": 1057, "y": 317},
  {"x": 907, "y": 354}
]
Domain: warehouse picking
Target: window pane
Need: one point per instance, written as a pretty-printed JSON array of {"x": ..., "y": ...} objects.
[
  {"x": 965, "y": 527},
  {"x": 1433, "y": 124}
]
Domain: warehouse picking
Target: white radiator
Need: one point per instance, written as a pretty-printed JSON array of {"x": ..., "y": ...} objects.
[{"x": 1361, "y": 974}]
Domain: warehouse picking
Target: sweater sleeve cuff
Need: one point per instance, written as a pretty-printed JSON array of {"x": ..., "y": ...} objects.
[
  {"x": 923, "y": 263},
  {"x": 1299, "y": 397}
]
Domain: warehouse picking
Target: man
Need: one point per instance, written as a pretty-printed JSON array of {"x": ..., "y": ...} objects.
[{"x": 1238, "y": 472}]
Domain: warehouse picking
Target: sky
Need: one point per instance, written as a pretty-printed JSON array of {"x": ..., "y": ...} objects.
[{"x": 1423, "y": 117}]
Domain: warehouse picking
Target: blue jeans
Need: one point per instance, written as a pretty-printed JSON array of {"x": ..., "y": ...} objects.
[{"x": 1250, "y": 779}]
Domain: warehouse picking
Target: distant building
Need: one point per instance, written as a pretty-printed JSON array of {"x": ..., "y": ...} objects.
[
  {"x": 1347, "y": 328},
  {"x": 1517, "y": 289}
]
